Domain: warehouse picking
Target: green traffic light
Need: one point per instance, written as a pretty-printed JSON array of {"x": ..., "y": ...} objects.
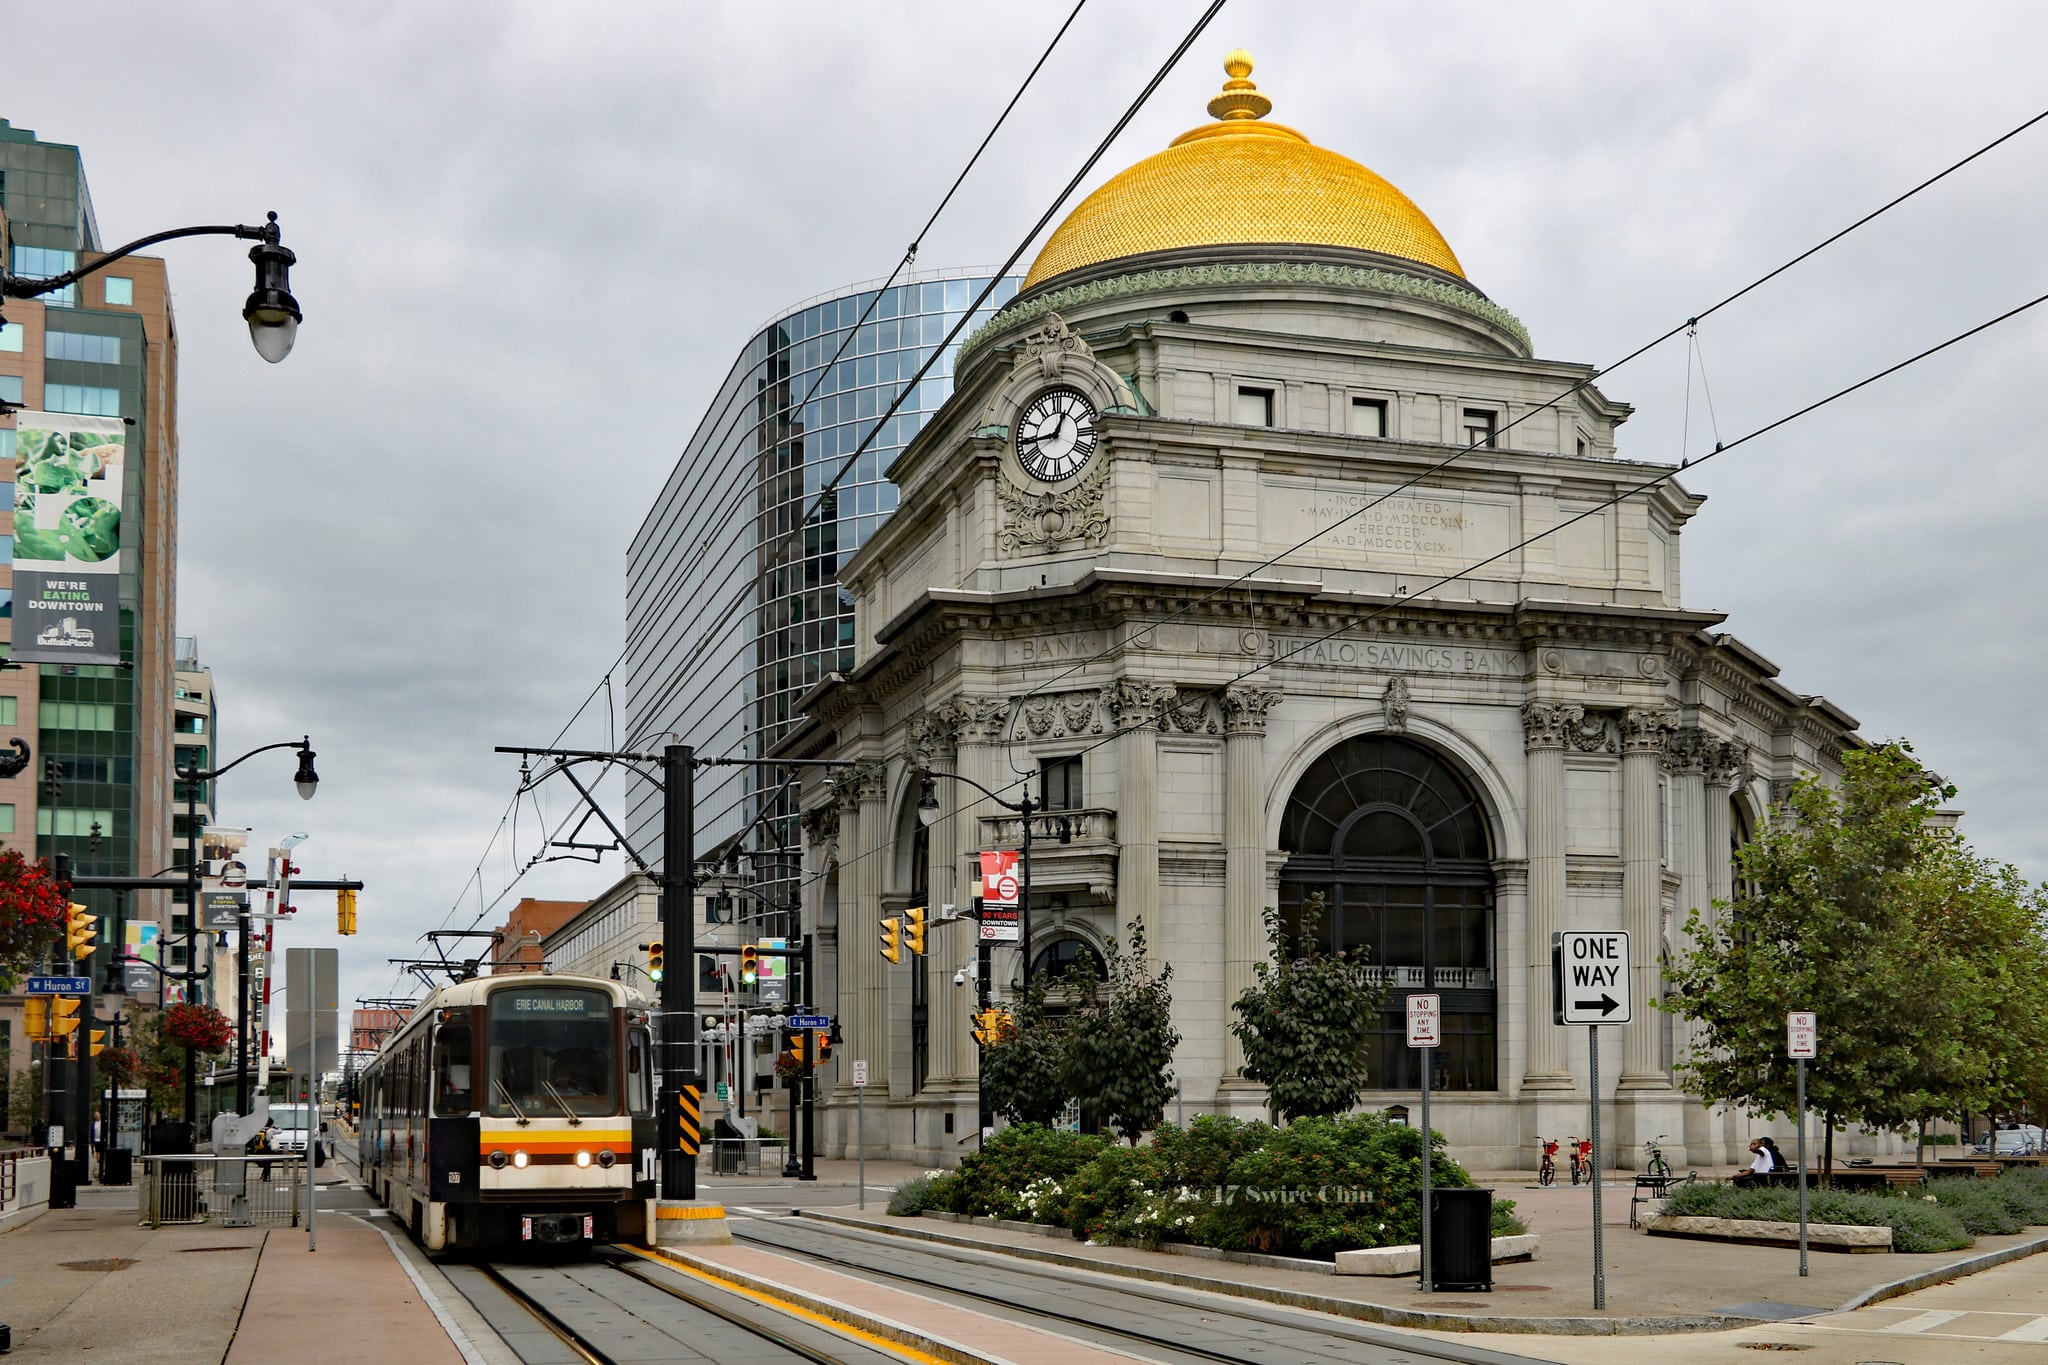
[{"x": 654, "y": 974}]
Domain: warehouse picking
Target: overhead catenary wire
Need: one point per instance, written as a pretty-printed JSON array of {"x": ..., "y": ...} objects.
[
  {"x": 1407, "y": 602},
  {"x": 1208, "y": 14}
]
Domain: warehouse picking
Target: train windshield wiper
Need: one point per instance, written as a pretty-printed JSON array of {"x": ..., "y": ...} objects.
[
  {"x": 556, "y": 1096},
  {"x": 523, "y": 1120}
]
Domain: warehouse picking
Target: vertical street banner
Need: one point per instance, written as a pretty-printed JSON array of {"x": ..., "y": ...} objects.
[
  {"x": 67, "y": 538},
  {"x": 1000, "y": 897},
  {"x": 142, "y": 947}
]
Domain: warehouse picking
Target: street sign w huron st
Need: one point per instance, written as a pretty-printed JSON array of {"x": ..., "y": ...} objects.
[{"x": 1589, "y": 977}]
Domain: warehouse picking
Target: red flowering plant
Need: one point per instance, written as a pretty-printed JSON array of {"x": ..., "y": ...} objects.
[
  {"x": 196, "y": 1028},
  {"x": 32, "y": 914}
]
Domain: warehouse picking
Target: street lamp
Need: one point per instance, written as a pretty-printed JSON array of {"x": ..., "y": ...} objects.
[
  {"x": 272, "y": 313},
  {"x": 307, "y": 781},
  {"x": 928, "y": 812}
]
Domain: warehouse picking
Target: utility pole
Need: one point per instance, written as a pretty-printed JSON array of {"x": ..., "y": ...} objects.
[{"x": 679, "y": 987}]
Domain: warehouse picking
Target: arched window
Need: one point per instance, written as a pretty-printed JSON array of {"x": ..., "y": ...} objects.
[
  {"x": 1396, "y": 842},
  {"x": 1053, "y": 960}
]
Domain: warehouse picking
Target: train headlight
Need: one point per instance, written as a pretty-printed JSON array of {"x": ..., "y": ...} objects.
[
  {"x": 583, "y": 1158},
  {"x": 606, "y": 1159},
  {"x": 518, "y": 1161},
  {"x": 498, "y": 1161}
]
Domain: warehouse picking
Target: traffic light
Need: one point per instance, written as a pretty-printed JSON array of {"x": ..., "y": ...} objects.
[
  {"x": 98, "y": 1038},
  {"x": 794, "y": 1052},
  {"x": 79, "y": 933},
  {"x": 824, "y": 1049},
  {"x": 344, "y": 911},
  {"x": 750, "y": 963},
  {"x": 892, "y": 938},
  {"x": 991, "y": 1026},
  {"x": 63, "y": 1016},
  {"x": 656, "y": 957},
  {"x": 913, "y": 931},
  {"x": 35, "y": 1017},
  {"x": 53, "y": 781}
]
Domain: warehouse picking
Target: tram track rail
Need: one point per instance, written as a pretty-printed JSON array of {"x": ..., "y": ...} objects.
[
  {"x": 1266, "y": 1334},
  {"x": 609, "y": 1310}
]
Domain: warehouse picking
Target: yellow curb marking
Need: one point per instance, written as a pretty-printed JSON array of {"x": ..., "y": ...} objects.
[
  {"x": 713, "y": 1211},
  {"x": 796, "y": 1309}
]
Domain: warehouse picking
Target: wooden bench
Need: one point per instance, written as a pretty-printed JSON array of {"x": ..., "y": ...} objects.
[
  {"x": 1876, "y": 1177},
  {"x": 1979, "y": 1168}
]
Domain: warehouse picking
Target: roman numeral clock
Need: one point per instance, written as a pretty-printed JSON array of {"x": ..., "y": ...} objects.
[{"x": 1056, "y": 434}]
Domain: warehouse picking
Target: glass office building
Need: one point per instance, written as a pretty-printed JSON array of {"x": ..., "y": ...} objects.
[{"x": 733, "y": 604}]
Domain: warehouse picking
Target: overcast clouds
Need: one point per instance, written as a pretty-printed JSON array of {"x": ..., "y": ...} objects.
[{"x": 532, "y": 238}]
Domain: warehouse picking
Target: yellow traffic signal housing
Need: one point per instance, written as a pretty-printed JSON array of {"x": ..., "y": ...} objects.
[
  {"x": 35, "y": 1017},
  {"x": 913, "y": 932},
  {"x": 99, "y": 1041},
  {"x": 63, "y": 1016},
  {"x": 657, "y": 959},
  {"x": 80, "y": 931},
  {"x": 344, "y": 911},
  {"x": 750, "y": 963},
  {"x": 892, "y": 938},
  {"x": 796, "y": 1049},
  {"x": 991, "y": 1026},
  {"x": 824, "y": 1049}
]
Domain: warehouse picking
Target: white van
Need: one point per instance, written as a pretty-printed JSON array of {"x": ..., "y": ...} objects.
[{"x": 290, "y": 1134}]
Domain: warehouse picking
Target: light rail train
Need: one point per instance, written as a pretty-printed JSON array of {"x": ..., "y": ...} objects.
[{"x": 516, "y": 1109}]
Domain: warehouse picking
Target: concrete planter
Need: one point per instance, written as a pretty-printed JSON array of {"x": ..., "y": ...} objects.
[
  {"x": 1762, "y": 1232},
  {"x": 1407, "y": 1260}
]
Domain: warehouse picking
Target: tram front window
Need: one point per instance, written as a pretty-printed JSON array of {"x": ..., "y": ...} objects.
[{"x": 551, "y": 1054}]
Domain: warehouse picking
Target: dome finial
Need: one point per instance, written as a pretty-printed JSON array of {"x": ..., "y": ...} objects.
[{"x": 1240, "y": 98}]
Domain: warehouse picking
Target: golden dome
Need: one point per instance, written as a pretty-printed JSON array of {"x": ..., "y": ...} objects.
[{"x": 1239, "y": 182}]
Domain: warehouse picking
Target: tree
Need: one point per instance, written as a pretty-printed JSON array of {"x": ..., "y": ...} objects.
[
  {"x": 1860, "y": 906},
  {"x": 1301, "y": 1023},
  {"x": 1120, "y": 1043},
  {"x": 163, "y": 1042},
  {"x": 1023, "y": 1074},
  {"x": 32, "y": 915}
]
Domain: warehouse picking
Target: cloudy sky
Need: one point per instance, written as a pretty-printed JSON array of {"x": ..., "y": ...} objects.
[{"x": 533, "y": 236}]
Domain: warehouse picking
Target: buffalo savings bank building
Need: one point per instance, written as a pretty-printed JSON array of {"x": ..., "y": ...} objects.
[{"x": 1178, "y": 549}]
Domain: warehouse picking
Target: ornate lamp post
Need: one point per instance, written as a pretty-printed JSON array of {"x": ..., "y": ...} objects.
[
  {"x": 272, "y": 313},
  {"x": 307, "y": 782}
]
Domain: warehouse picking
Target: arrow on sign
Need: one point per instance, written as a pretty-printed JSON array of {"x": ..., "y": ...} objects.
[{"x": 1606, "y": 1004}]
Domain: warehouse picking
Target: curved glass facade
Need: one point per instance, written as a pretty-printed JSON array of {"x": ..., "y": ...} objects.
[{"x": 733, "y": 604}]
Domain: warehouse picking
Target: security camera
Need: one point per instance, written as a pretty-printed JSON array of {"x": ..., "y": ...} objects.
[{"x": 960, "y": 977}]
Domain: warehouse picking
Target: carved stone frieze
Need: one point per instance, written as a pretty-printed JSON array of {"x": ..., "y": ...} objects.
[
  {"x": 862, "y": 782},
  {"x": 1050, "y": 347},
  {"x": 1192, "y": 713},
  {"x": 1134, "y": 702},
  {"x": 1593, "y": 733},
  {"x": 1059, "y": 715},
  {"x": 1245, "y": 707},
  {"x": 1686, "y": 749},
  {"x": 1396, "y": 704},
  {"x": 933, "y": 736},
  {"x": 1548, "y": 724},
  {"x": 820, "y": 825},
  {"x": 1043, "y": 523},
  {"x": 1781, "y": 792},
  {"x": 1726, "y": 763},
  {"x": 1643, "y": 728},
  {"x": 976, "y": 720}
]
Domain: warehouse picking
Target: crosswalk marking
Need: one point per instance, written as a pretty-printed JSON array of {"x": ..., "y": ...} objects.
[
  {"x": 1923, "y": 1322},
  {"x": 2036, "y": 1330}
]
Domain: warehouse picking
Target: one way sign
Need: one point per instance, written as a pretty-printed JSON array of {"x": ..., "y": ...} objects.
[{"x": 1589, "y": 977}]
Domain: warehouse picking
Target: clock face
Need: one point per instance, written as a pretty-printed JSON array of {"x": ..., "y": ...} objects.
[{"x": 1056, "y": 435}]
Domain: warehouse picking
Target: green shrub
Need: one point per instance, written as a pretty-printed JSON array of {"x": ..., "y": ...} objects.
[
  {"x": 1200, "y": 1156},
  {"x": 1104, "y": 1194},
  {"x": 1916, "y": 1223},
  {"x": 1506, "y": 1222},
  {"x": 1320, "y": 1186},
  {"x": 920, "y": 1192},
  {"x": 992, "y": 1182},
  {"x": 2025, "y": 1191},
  {"x": 1978, "y": 1205}
]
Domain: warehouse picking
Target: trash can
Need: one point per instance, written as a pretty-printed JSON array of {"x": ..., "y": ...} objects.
[
  {"x": 1461, "y": 1239},
  {"x": 728, "y": 1147},
  {"x": 117, "y": 1166},
  {"x": 63, "y": 1183}
]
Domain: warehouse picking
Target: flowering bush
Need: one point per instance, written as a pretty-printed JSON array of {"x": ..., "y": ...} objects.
[
  {"x": 196, "y": 1028},
  {"x": 991, "y": 1182},
  {"x": 32, "y": 914}
]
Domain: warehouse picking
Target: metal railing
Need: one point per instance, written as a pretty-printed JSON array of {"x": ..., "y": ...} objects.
[
  {"x": 10, "y": 1176},
  {"x": 234, "y": 1191}
]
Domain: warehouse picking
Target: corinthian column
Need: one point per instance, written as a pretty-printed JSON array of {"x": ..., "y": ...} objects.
[
  {"x": 1244, "y": 849},
  {"x": 1546, "y": 727},
  {"x": 1643, "y": 731},
  {"x": 1727, "y": 769},
  {"x": 1136, "y": 706}
]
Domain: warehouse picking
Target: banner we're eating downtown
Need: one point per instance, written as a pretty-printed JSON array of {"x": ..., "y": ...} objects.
[{"x": 67, "y": 538}]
